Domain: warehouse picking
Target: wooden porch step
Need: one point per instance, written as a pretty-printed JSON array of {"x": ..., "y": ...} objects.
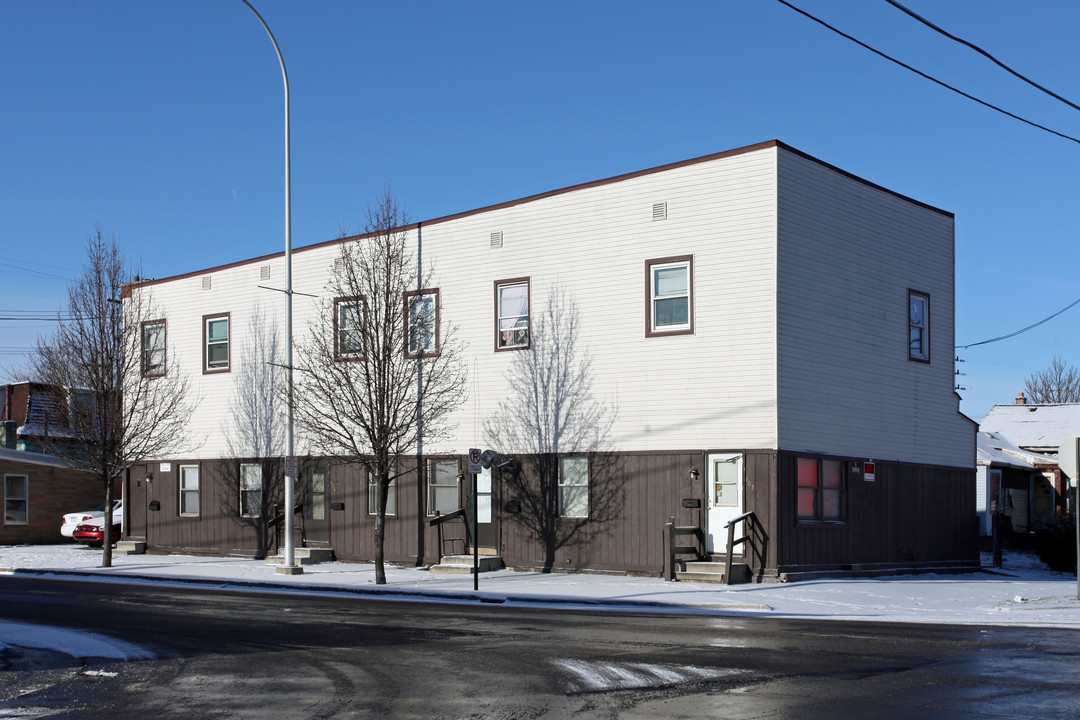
[
  {"x": 304, "y": 556},
  {"x": 463, "y": 564}
]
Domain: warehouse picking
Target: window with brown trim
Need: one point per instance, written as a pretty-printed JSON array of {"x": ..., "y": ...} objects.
[
  {"x": 422, "y": 323},
  {"x": 918, "y": 326},
  {"x": 512, "y": 314},
  {"x": 16, "y": 499},
  {"x": 216, "y": 353},
  {"x": 821, "y": 489},
  {"x": 669, "y": 288},
  {"x": 153, "y": 348},
  {"x": 348, "y": 327}
]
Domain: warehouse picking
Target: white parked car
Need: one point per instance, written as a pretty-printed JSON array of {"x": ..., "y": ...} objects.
[{"x": 97, "y": 515}]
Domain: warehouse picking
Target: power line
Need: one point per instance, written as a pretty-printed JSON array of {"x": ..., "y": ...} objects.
[
  {"x": 1023, "y": 330},
  {"x": 921, "y": 74},
  {"x": 982, "y": 52}
]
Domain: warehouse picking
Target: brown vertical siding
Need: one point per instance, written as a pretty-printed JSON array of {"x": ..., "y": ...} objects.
[{"x": 52, "y": 493}]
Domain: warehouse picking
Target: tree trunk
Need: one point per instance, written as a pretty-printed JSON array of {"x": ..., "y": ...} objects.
[
  {"x": 106, "y": 538},
  {"x": 380, "y": 527}
]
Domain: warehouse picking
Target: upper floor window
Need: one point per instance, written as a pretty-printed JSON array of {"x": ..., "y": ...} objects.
[
  {"x": 512, "y": 314},
  {"x": 574, "y": 487},
  {"x": 16, "y": 499},
  {"x": 821, "y": 488},
  {"x": 348, "y": 327},
  {"x": 216, "y": 343},
  {"x": 153, "y": 348},
  {"x": 670, "y": 283},
  {"x": 422, "y": 323},
  {"x": 918, "y": 326}
]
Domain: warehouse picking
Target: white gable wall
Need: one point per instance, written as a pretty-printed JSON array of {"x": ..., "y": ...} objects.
[{"x": 848, "y": 254}]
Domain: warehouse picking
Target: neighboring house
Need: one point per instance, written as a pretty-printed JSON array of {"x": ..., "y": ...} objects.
[
  {"x": 1037, "y": 431},
  {"x": 1011, "y": 479},
  {"x": 767, "y": 332},
  {"x": 38, "y": 489}
]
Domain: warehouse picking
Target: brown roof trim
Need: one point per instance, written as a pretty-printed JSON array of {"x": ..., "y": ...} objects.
[{"x": 552, "y": 193}]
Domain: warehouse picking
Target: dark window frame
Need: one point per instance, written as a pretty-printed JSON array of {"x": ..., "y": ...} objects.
[
  {"x": 819, "y": 489},
  {"x": 361, "y": 302},
  {"x": 206, "y": 320},
  {"x": 527, "y": 282},
  {"x": 145, "y": 364},
  {"x": 651, "y": 329},
  {"x": 407, "y": 301},
  {"x": 924, "y": 327},
  {"x": 25, "y": 499}
]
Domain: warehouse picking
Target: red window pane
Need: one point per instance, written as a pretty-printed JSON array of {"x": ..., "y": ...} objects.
[{"x": 807, "y": 469}]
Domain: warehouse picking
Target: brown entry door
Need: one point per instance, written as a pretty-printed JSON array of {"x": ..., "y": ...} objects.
[{"x": 135, "y": 505}]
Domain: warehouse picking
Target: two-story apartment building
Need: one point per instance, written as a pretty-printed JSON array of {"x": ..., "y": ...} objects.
[{"x": 765, "y": 332}]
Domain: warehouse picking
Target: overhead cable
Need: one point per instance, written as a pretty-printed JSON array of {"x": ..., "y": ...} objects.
[
  {"x": 1024, "y": 330},
  {"x": 920, "y": 73},
  {"x": 982, "y": 52}
]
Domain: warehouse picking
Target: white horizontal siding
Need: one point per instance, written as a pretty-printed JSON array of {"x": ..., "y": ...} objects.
[
  {"x": 848, "y": 254},
  {"x": 715, "y": 388}
]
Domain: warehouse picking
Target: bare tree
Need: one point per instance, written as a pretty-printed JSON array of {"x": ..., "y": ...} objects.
[
  {"x": 1059, "y": 383},
  {"x": 257, "y": 436},
  {"x": 119, "y": 397},
  {"x": 551, "y": 419},
  {"x": 379, "y": 371}
]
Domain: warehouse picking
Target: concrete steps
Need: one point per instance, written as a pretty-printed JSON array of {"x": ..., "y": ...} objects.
[
  {"x": 304, "y": 556},
  {"x": 711, "y": 572},
  {"x": 463, "y": 564},
  {"x": 130, "y": 547}
]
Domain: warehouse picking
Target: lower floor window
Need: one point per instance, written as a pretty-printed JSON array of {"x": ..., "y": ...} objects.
[
  {"x": 251, "y": 490},
  {"x": 189, "y": 489},
  {"x": 820, "y": 489},
  {"x": 442, "y": 487},
  {"x": 16, "y": 492},
  {"x": 373, "y": 497},
  {"x": 574, "y": 487}
]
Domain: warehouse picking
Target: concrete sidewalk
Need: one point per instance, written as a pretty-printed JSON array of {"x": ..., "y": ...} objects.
[{"x": 1022, "y": 594}]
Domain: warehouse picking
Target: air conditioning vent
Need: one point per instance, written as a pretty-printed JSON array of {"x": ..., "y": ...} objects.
[
  {"x": 659, "y": 211},
  {"x": 496, "y": 239},
  {"x": 264, "y": 272},
  {"x": 206, "y": 282}
]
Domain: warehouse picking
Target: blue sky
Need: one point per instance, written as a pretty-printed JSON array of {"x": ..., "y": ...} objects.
[{"x": 162, "y": 123}]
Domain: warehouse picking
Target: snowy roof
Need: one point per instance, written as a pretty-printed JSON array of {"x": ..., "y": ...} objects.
[
  {"x": 33, "y": 458},
  {"x": 1034, "y": 426},
  {"x": 993, "y": 449}
]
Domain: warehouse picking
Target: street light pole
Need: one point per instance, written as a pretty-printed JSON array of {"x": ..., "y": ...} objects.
[{"x": 289, "y": 567}]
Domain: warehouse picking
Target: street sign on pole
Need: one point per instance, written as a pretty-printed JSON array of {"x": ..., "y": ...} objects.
[{"x": 475, "y": 466}]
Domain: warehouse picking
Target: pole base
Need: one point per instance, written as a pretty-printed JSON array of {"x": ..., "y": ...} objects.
[{"x": 289, "y": 570}]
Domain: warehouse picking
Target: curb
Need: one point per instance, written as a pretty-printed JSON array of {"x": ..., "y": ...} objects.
[{"x": 391, "y": 593}]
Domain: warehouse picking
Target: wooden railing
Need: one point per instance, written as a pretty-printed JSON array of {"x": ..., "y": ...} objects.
[
  {"x": 756, "y": 540},
  {"x": 678, "y": 531},
  {"x": 439, "y": 520}
]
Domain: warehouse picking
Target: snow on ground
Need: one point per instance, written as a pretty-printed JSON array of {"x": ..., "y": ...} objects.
[
  {"x": 70, "y": 642},
  {"x": 1022, "y": 593}
]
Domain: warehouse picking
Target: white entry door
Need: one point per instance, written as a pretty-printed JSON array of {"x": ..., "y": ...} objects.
[{"x": 725, "y": 498}]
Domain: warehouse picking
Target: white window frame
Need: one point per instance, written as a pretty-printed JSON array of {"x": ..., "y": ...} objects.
[
  {"x": 154, "y": 337},
  {"x": 349, "y": 314},
  {"x": 449, "y": 465},
  {"x": 219, "y": 365},
  {"x": 918, "y": 327},
  {"x": 571, "y": 484},
  {"x": 652, "y": 268},
  {"x": 251, "y": 490},
  {"x": 24, "y": 498},
  {"x": 508, "y": 325},
  {"x": 185, "y": 491},
  {"x": 431, "y": 334},
  {"x": 373, "y": 497}
]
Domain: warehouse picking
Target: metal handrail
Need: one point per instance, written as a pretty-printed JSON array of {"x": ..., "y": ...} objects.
[
  {"x": 674, "y": 531},
  {"x": 752, "y": 520},
  {"x": 439, "y": 520}
]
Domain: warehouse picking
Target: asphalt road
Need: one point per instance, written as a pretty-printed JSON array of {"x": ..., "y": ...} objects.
[{"x": 230, "y": 654}]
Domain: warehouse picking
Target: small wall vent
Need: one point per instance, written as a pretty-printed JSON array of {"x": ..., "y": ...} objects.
[
  {"x": 339, "y": 265},
  {"x": 206, "y": 282},
  {"x": 496, "y": 239},
  {"x": 659, "y": 211},
  {"x": 264, "y": 272}
]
